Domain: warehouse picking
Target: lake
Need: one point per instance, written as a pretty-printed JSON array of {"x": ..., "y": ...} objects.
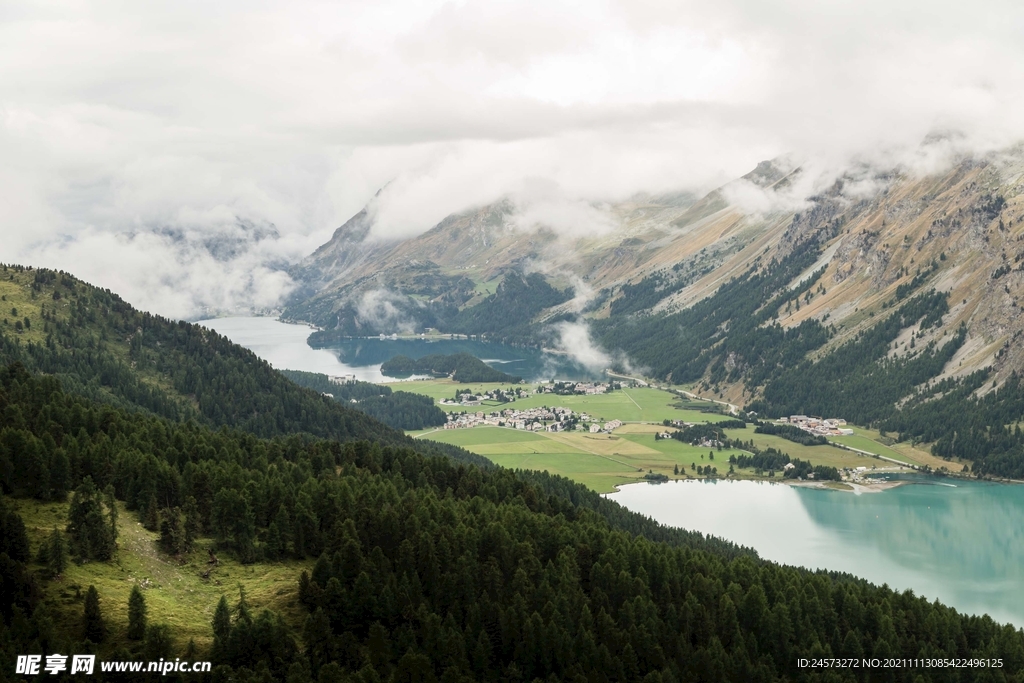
[
  {"x": 284, "y": 346},
  {"x": 959, "y": 541}
]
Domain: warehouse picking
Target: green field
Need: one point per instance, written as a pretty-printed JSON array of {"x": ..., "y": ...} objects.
[
  {"x": 483, "y": 435},
  {"x": 524, "y": 450},
  {"x": 642, "y": 404},
  {"x": 600, "y": 461},
  {"x": 866, "y": 444},
  {"x": 175, "y": 592},
  {"x": 604, "y": 461},
  {"x": 816, "y": 455}
]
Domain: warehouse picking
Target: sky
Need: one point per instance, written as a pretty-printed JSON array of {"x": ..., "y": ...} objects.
[{"x": 183, "y": 154}]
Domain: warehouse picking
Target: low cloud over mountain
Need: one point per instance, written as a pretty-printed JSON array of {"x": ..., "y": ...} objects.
[{"x": 122, "y": 128}]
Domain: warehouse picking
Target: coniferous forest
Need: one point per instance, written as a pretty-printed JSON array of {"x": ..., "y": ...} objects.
[
  {"x": 462, "y": 367},
  {"x": 417, "y": 562},
  {"x": 398, "y": 409}
]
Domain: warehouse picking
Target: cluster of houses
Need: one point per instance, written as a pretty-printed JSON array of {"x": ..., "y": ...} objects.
[
  {"x": 530, "y": 419},
  {"x": 818, "y": 426},
  {"x": 341, "y": 379},
  {"x": 577, "y": 388},
  {"x": 499, "y": 395},
  {"x": 857, "y": 475}
]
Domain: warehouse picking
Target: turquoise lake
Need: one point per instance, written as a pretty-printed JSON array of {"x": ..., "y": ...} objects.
[
  {"x": 959, "y": 541},
  {"x": 284, "y": 346}
]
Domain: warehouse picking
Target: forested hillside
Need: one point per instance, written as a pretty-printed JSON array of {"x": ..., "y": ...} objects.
[
  {"x": 427, "y": 570},
  {"x": 507, "y": 314},
  {"x": 734, "y": 332},
  {"x": 462, "y": 367},
  {"x": 100, "y": 347},
  {"x": 398, "y": 409}
]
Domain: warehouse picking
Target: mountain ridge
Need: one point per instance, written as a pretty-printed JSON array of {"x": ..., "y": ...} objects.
[{"x": 892, "y": 225}]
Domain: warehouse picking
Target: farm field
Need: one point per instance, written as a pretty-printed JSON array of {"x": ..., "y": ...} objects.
[
  {"x": 867, "y": 444},
  {"x": 438, "y": 389},
  {"x": 641, "y": 404},
  {"x": 602, "y": 461},
  {"x": 598, "y": 466},
  {"x": 904, "y": 450},
  {"x": 175, "y": 592},
  {"x": 816, "y": 455}
]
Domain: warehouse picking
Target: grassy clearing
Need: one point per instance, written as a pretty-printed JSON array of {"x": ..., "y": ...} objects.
[
  {"x": 438, "y": 389},
  {"x": 642, "y": 404},
  {"x": 903, "y": 451},
  {"x": 593, "y": 462},
  {"x": 597, "y": 473},
  {"x": 816, "y": 455},
  {"x": 17, "y": 295},
  {"x": 176, "y": 593},
  {"x": 866, "y": 444}
]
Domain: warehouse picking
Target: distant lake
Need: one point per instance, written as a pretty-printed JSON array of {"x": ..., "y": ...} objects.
[
  {"x": 959, "y": 541},
  {"x": 284, "y": 346}
]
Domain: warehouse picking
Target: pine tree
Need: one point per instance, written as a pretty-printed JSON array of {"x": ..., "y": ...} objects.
[
  {"x": 108, "y": 493},
  {"x": 56, "y": 553},
  {"x": 193, "y": 522},
  {"x": 92, "y": 619},
  {"x": 191, "y": 651},
  {"x": 136, "y": 614},
  {"x": 60, "y": 474},
  {"x": 13, "y": 537},
  {"x": 91, "y": 535},
  {"x": 152, "y": 519},
  {"x": 242, "y": 609},
  {"x": 159, "y": 644},
  {"x": 172, "y": 532},
  {"x": 221, "y": 630}
]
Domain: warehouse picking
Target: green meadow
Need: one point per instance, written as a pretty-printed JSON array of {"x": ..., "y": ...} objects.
[
  {"x": 640, "y": 404},
  {"x": 603, "y": 461},
  {"x": 176, "y": 592},
  {"x": 600, "y": 461}
]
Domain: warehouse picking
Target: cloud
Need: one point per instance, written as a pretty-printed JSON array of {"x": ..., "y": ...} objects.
[
  {"x": 574, "y": 341},
  {"x": 129, "y": 132},
  {"x": 384, "y": 310},
  {"x": 173, "y": 274}
]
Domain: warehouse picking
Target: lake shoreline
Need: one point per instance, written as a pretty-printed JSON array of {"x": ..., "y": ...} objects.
[{"x": 856, "y": 488}]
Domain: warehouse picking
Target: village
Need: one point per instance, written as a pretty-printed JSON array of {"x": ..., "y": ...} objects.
[
  {"x": 818, "y": 426},
  {"x": 577, "y": 388},
  {"x": 550, "y": 419},
  {"x": 464, "y": 397},
  {"x": 554, "y": 419}
]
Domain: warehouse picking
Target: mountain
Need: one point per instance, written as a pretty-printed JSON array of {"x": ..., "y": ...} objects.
[
  {"x": 364, "y": 285},
  {"x": 877, "y": 298},
  {"x": 956, "y": 231}
]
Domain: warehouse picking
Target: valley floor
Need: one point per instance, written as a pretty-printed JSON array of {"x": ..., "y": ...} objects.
[{"x": 605, "y": 461}]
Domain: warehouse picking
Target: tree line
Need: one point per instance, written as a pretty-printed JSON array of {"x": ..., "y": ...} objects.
[
  {"x": 462, "y": 367},
  {"x": 399, "y": 409}
]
